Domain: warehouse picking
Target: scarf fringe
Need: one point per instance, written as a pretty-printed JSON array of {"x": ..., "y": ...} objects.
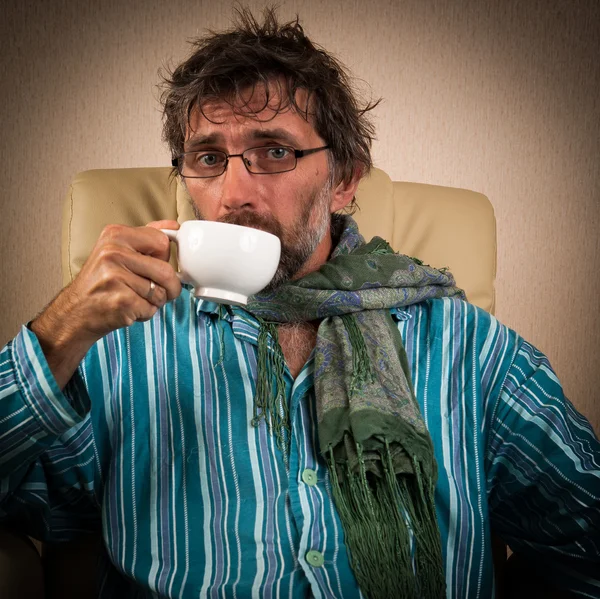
[
  {"x": 269, "y": 400},
  {"x": 362, "y": 369},
  {"x": 374, "y": 512}
]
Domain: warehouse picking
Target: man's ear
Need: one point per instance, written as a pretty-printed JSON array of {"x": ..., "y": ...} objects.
[{"x": 344, "y": 192}]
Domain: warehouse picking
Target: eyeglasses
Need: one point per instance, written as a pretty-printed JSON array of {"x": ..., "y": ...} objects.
[{"x": 265, "y": 160}]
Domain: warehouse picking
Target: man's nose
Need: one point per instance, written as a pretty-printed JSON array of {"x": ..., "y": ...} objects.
[{"x": 236, "y": 190}]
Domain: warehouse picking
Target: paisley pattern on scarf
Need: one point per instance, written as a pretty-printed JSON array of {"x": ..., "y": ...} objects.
[{"x": 358, "y": 277}]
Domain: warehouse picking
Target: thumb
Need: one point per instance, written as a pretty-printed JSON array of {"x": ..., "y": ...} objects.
[{"x": 163, "y": 224}]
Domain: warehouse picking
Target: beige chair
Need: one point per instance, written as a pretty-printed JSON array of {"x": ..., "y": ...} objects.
[{"x": 441, "y": 226}]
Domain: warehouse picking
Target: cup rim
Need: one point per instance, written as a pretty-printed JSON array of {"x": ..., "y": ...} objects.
[{"x": 216, "y": 222}]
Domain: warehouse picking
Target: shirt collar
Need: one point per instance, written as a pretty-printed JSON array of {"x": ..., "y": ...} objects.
[{"x": 243, "y": 324}]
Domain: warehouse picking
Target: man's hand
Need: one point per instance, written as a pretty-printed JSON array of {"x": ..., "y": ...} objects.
[{"x": 111, "y": 291}]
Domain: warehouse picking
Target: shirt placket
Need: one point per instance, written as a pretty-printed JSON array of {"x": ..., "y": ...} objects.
[
  {"x": 312, "y": 510},
  {"x": 310, "y": 501}
]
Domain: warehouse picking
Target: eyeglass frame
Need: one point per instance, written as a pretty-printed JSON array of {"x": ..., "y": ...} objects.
[{"x": 297, "y": 154}]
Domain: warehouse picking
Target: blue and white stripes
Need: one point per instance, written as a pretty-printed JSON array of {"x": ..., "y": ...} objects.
[{"x": 195, "y": 502}]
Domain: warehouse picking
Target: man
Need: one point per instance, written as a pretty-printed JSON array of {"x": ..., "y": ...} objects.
[{"x": 292, "y": 448}]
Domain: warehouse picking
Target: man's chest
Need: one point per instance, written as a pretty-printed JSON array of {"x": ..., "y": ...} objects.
[{"x": 297, "y": 341}]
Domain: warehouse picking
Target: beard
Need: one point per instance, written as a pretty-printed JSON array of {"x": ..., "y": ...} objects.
[{"x": 298, "y": 242}]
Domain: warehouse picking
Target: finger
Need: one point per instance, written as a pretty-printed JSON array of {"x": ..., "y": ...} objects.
[
  {"x": 156, "y": 294},
  {"x": 147, "y": 290},
  {"x": 121, "y": 299},
  {"x": 148, "y": 268},
  {"x": 172, "y": 225},
  {"x": 163, "y": 224},
  {"x": 140, "y": 311},
  {"x": 147, "y": 311},
  {"x": 146, "y": 240}
]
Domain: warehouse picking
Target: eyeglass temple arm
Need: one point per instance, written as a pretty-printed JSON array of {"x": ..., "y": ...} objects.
[{"x": 301, "y": 153}]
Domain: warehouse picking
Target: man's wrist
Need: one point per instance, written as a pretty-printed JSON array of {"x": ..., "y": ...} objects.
[{"x": 63, "y": 347}]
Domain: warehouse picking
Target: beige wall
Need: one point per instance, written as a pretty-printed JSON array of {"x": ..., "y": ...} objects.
[{"x": 500, "y": 97}]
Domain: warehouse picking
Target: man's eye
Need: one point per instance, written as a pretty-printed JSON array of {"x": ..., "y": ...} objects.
[
  {"x": 278, "y": 153},
  {"x": 207, "y": 159}
]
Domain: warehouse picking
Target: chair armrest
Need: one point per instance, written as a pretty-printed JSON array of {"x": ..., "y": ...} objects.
[
  {"x": 71, "y": 568},
  {"x": 523, "y": 581},
  {"x": 21, "y": 572}
]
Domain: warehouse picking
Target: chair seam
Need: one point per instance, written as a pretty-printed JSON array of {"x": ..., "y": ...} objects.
[
  {"x": 70, "y": 229},
  {"x": 495, "y": 260}
]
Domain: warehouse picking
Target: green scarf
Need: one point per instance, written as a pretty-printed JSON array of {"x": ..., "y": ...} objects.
[{"x": 371, "y": 433}]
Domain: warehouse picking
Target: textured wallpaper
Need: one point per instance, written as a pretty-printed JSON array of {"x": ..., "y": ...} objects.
[{"x": 498, "y": 97}]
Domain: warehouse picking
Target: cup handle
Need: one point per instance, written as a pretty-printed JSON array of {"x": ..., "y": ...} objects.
[{"x": 172, "y": 235}]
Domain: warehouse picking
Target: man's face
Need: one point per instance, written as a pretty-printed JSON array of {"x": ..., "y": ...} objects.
[{"x": 295, "y": 205}]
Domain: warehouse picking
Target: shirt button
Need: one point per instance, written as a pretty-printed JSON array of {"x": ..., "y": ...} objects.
[
  {"x": 309, "y": 477},
  {"x": 315, "y": 558}
]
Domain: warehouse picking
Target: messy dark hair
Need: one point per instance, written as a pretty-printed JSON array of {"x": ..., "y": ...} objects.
[{"x": 279, "y": 56}]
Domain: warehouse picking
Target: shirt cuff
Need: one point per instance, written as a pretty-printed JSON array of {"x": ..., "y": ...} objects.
[{"x": 42, "y": 395}]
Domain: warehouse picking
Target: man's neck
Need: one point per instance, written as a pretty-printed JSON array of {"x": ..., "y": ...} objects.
[
  {"x": 318, "y": 258},
  {"x": 322, "y": 253}
]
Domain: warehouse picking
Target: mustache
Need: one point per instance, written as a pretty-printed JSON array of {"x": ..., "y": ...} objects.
[{"x": 255, "y": 220}]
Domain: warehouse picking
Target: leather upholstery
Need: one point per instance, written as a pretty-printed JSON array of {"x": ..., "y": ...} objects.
[{"x": 440, "y": 225}]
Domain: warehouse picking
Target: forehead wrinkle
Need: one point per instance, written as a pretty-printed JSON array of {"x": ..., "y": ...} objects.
[
  {"x": 248, "y": 136},
  {"x": 217, "y": 120}
]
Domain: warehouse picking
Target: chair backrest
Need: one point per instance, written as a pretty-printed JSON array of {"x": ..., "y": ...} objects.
[{"x": 442, "y": 226}]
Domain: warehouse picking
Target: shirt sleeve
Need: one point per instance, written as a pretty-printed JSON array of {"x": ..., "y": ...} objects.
[
  {"x": 46, "y": 446},
  {"x": 543, "y": 476}
]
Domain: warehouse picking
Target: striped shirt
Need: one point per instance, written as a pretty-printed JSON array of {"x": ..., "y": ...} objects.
[{"x": 152, "y": 438}]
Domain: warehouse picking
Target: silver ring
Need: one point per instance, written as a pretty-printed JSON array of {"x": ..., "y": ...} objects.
[{"x": 151, "y": 290}]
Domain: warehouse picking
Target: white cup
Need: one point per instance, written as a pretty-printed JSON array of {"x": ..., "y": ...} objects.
[{"x": 225, "y": 263}]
